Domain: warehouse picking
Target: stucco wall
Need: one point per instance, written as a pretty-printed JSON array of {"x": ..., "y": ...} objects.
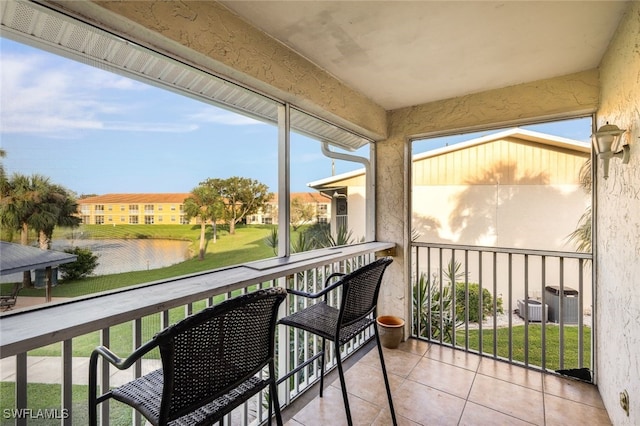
[{"x": 618, "y": 228}]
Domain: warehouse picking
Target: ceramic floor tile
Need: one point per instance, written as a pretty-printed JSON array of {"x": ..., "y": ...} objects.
[
  {"x": 424, "y": 393},
  {"x": 442, "y": 376},
  {"x": 384, "y": 419},
  {"x": 511, "y": 373},
  {"x": 414, "y": 346},
  {"x": 398, "y": 362},
  {"x": 478, "y": 415},
  {"x": 455, "y": 357},
  {"x": 329, "y": 410},
  {"x": 561, "y": 412},
  {"x": 574, "y": 390},
  {"x": 367, "y": 382},
  {"x": 427, "y": 406},
  {"x": 513, "y": 400}
]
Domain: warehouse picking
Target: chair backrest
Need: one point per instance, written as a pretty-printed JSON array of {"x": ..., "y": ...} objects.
[
  {"x": 213, "y": 351},
  {"x": 360, "y": 290}
]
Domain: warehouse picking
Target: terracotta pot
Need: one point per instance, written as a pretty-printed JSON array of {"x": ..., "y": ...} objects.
[{"x": 391, "y": 330}]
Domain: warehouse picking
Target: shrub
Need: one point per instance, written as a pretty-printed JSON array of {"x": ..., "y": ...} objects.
[
  {"x": 434, "y": 304},
  {"x": 82, "y": 267},
  {"x": 474, "y": 292}
]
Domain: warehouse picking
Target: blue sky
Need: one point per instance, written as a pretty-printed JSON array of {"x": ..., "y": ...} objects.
[{"x": 95, "y": 132}]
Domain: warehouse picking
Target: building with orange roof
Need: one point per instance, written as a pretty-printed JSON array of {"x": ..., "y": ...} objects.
[
  {"x": 319, "y": 202},
  {"x": 168, "y": 209},
  {"x": 134, "y": 209}
]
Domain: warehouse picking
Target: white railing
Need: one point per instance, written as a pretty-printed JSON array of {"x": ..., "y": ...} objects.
[
  {"x": 51, "y": 342},
  {"x": 527, "y": 307}
]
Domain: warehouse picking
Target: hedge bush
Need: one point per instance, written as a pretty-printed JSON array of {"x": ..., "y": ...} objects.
[{"x": 474, "y": 292}]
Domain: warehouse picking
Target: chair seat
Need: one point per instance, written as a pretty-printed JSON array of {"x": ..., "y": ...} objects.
[
  {"x": 322, "y": 319},
  {"x": 145, "y": 393}
]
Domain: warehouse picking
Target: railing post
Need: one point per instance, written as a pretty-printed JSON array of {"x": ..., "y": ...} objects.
[
  {"x": 282, "y": 363},
  {"x": 21, "y": 387},
  {"x": 104, "y": 379},
  {"x": 67, "y": 382}
]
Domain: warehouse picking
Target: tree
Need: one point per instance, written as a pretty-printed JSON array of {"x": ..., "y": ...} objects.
[
  {"x": 21, "y": 194},
  {"x": 301, "y": 213},
  {"x": 34, "y": 203},
  {"x": 581, "y": 236},
  {"x": 205, "y": 203},
  {"x": 82, "y": 267},
  {"x": 59, "y": 208},
  {"x": 241, "y": 197}
]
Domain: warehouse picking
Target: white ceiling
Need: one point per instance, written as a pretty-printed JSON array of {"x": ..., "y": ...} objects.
[{"x": 403, "y": 53}]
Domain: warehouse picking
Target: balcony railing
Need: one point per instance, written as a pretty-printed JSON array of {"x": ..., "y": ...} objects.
[
  {"x": 528, "y": 307},
  {"x": 59, "y": 333}
]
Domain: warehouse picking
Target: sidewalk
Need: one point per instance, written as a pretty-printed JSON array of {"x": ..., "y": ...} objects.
[{"x": 47, "y": 369}]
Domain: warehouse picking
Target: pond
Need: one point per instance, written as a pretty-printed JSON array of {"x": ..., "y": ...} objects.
[{"x": 116, "y": 256}]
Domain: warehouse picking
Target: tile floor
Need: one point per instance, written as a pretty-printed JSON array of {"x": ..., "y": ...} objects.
[{"x": 435, "y": 385}]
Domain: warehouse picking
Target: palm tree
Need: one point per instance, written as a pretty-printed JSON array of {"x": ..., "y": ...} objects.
[
  {"x": 18, "y": 206},
  {"x": 204, "y": 203},
  {"x": 581, "y": 236},
  {"x": 58, "y": 208},
  {"x": 34, "y": 203}
]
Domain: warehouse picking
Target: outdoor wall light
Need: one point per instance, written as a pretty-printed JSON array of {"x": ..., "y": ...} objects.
[{"x": 604, "y": 140}]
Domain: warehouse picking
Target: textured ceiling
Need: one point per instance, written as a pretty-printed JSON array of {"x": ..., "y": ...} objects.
[{"x": 407, "y": 53}]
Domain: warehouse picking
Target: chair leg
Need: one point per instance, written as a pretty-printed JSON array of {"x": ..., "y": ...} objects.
[
  {"x": 343, "y": 385},
  {"x": 322, "y": 367},
  {"x": 386, "y": 379},
  {"x": 93, "y": 389},
  {"x": 273, "y": 393}
]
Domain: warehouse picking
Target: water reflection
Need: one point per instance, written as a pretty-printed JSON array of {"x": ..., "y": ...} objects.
[{"x": 116, "y": 256}]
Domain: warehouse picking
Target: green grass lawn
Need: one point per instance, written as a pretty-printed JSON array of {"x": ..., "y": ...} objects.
[
  {"x": 46, "y": 396},
  {"x": 552, "y": 335}
]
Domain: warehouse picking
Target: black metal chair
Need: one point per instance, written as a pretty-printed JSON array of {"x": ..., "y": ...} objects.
[
  {"x": 357, "y": 311},
  {"x": 9, "y": 301},
  {"x": 212, "y": 362}
]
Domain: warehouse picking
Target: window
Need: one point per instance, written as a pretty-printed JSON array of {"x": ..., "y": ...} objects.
[{"x": 190, "y": 112}]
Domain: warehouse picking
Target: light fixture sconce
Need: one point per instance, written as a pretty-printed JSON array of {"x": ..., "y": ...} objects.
[{"x": 604, "y": 140}]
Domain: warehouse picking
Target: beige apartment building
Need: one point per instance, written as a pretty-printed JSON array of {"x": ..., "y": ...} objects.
[
  {"x": 168, "y": 209},
  {"x": 134, "y": 209},
  {"x": 318, "y": 203}
]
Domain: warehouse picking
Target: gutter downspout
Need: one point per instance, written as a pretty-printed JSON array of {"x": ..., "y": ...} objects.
[{"x": 370, "y": 186}]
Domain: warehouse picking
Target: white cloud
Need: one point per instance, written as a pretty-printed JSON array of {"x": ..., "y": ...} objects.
[
  {"x": 150, "y": 127},
  {"x": 55, "y": 97}
]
